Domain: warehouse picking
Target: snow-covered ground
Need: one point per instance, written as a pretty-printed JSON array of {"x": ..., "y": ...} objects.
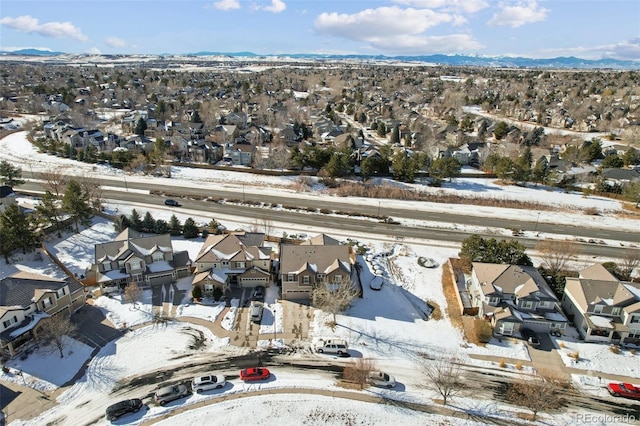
[{"x": 386, "y": 326}]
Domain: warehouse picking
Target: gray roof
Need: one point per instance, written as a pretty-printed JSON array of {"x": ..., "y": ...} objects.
[
  {"x": 621, "y": 174},
  {"x": 115, "y": 248},
  {"x": 293, "y": 258},
  {"x": 18, "y": 289}
]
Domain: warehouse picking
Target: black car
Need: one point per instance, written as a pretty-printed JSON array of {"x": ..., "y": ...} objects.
[
  {"x": 123, "y": 407},
  {"x": 530, "y": 337},
  {"x": 170, "y": 202},
  {"x": 258, "y": 293}
]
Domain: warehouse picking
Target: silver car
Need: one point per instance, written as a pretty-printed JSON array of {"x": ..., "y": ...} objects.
[
  {"x": 204, "y": 383},
  {"x": 380, "y": 379},
  {"x": 170, "y": 393}
]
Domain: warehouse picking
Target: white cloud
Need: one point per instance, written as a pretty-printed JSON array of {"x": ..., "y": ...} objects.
[
  {"x": 424, "y": 45},
  {"x": 115, "y": 42},
  {"x": 28, "y": 24},
  {"x": 276, "y": 6},
  {"x": 459, "y": 6},
  {"x": 518, "y": 14},
  {"x": 378, "y": 23},
  {"x": 94, "y": 51},
  {"x": 227, "y": 4}
]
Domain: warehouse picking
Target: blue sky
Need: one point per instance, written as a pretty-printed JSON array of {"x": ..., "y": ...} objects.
[{"x": 588, "y": 29}]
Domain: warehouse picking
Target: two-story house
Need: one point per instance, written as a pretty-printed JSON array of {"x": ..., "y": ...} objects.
[
  {"x": 602, "y": 308},
  {"x": 320, "y": 260},
  {"x": 236, "y": 259},
  {"x": 26, "y": 299},
  {"x": 514, "y": 297},
  {"x": 132, "y": 257}
]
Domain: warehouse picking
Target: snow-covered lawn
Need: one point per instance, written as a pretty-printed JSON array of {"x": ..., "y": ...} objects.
[{"x": 598, "y": 357}]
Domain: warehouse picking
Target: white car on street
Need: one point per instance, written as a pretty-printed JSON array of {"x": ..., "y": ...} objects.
[
  {"x": 205, "y": 383},
  {"x": 380, "y": 379}
]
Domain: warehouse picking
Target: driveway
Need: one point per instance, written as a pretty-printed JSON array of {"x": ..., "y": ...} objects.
[{"x": 94, "y": 329}]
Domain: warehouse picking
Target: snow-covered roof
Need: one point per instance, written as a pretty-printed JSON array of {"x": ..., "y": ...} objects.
[
  {"x": 159, "y": 267},
  {"x": 36, "y": 317},
  {"x": 601, "y": 322}
]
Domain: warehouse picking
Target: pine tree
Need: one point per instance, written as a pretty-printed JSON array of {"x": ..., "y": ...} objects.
[
  {"x": 175, "y": 228},
  {"x": 161, "y": 227},
  {"x": 135, "y": 221},
  {"x": 148, "y": 223},
  {"x": 141, "y": 126},
  {"x": 189, "y": 230},
  {"x": 16, "y": 231},
  {"x": 10, "y": 175},
  {"x": 75, "y": 202},
  {"x": 49, "y": 212}
]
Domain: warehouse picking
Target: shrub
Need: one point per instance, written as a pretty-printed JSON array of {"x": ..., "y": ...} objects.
[
  {"x": 575, "y": 355},
  {"x": 592, "y": 211},
  {"x": 615, "y": 349},
  {"x": 502, "y": 363},
  {"x": 482, "y": 330},
  {"x": 217, "y": 294},
  {"x": 519, "y": 365},
  {"x": 196, "y": 292}
]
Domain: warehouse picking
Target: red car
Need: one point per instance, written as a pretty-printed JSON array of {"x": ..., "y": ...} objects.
[
  {"x": 255, "y": 373},
  {"x": 625, "y": 390}
]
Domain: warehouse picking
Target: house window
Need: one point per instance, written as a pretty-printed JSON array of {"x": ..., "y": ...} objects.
[
  {"x": 242, "y": 265},
  {"x": 337, "y": 279},
  {"x": 305, "y": 279},
  {"x": 9, "y": 322},
  {"x": 321, "y": 277},
  {"x": 208, "y": 288},
  {"x": 291, "y": 277},
  {"x": 158, "y": 257},
  {"x": 597, "y": 309},
  {"x": 225, "y": 263},
  {"x": 635, "y": 319},
  {"x": 545, "y": 304},
  {"x": 106, "y": 266},
  {"x": 46, "y": 302},
  {"x": 201, "y": 266},
  {"x": 61, "y": 292},
  {"x": 120, "y": 264},
  {"x": 526, "y": 304},
  {"x": 616, "y": 311}
]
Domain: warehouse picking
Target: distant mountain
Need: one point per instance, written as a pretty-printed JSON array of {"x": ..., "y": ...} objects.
[
  {"x": 455, "y": 60},
  {"x": 31, "y": 52}
]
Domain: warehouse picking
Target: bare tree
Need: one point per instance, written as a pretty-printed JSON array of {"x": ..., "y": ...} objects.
[
  {"x": 555, "y": 254},
  {"x": 133, "y": 293},
  {"x": 56, "y": 331},
  {"x": 542, "y": 392},
  {"x": 54, "y": 182},
  {"x": 93, "y": 189},
  {"x": 443, "y": 376},
  {"x": 358, "y": 371},
  {"x": 628, "y": 263},
  {"x": 333, "y": 297}
]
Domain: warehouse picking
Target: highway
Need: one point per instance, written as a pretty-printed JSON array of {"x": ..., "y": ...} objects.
[{"x": 192, "y": 200}]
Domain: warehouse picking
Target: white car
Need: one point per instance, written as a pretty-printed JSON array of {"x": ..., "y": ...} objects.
[
  {"x": 383, "y": 380},
  {"x": 204, "y": 383}
]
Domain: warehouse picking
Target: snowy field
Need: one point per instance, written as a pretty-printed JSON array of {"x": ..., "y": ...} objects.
[{"x": 386, "y": 326}]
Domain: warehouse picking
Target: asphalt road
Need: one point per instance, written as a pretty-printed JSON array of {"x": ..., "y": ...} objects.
[{"x": 161, "y": 190}]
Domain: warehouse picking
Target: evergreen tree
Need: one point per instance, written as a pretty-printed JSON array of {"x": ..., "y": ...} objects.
[
  {"x": 395, "y": 135},
  {"x": 296, "y": 159},
  {"x": 444, "y": 168},
  {"x": 539, "y": 172},
  {"x": 612, "y": 161},
  {"x": 175, "y": 228},
  {"x": 196, "y": 117},
  {"x": 189, "y": 230},
  {"x": 477, "y": 249},
  {"x": 16, "y": 232},
  {"x": 135, "y": 222},
  {"x": 141, "y": 126},
  {"x": 504, "y": 168},
  {"x": 75, "y": 202},
  {"x": 161, "y": 227},
  {"x": 338, "y": 165},
  {"x": 501, "y": 130},
  {"x": 49, "y": 212},
  {"x": 522, "y": 167},
  {"x": 10, "y": 175},
  {"x": 148, "y": 223}
]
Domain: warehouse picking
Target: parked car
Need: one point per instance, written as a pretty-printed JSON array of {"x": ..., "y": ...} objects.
[
  {"x": 254, "y": 373},
  {"x": 258, "y": 293},
  {"x": 376, "y": 283},
  {"x": 378, "y": 378},
  {"x": 255, "y": 311},
  {"x": 170, "y": 202},
  {"x": 170, "y": 393},
  {"x": 333, "y": 346},
  {"x": 530, "y": 337},
  {"x": 204, "y": 383},
  {"x": 123, "y": 407},
  {"x": 625, "y": 390}
]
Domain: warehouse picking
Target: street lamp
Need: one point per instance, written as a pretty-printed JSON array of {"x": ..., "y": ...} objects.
[
  {"x": 275, "y": 327},
  {"x": 535, "y": 228}
]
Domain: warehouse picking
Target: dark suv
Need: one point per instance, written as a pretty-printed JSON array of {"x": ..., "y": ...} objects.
[
  {"x": 123, "y": 407},
  {"x": 170, "y": 202},
  {"x": 258, "y": 293},
  {"x": 530, "y": 337}
]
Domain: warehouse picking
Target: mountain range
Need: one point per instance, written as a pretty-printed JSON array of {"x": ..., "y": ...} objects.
[{"x": 569, "y": 62}]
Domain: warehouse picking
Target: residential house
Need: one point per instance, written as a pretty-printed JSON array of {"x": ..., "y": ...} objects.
[
  {"x": 239, "y": 119},
  {"x": 26, "y": 299},
  {"x": 290, "y": 136},
  {"x": 225, "y": 133},
  {"x": 7, "y": 197},
  {"x": 621, "y": 177},
  {"x": 232, "y": 260},
  {"x": 242, "y": 154},
  {"x": 513, "y": 297},
  {"x": 132, "y": 257},
  {"x": 603, "y": 308},
  {"x": 320, "y": 260}
]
